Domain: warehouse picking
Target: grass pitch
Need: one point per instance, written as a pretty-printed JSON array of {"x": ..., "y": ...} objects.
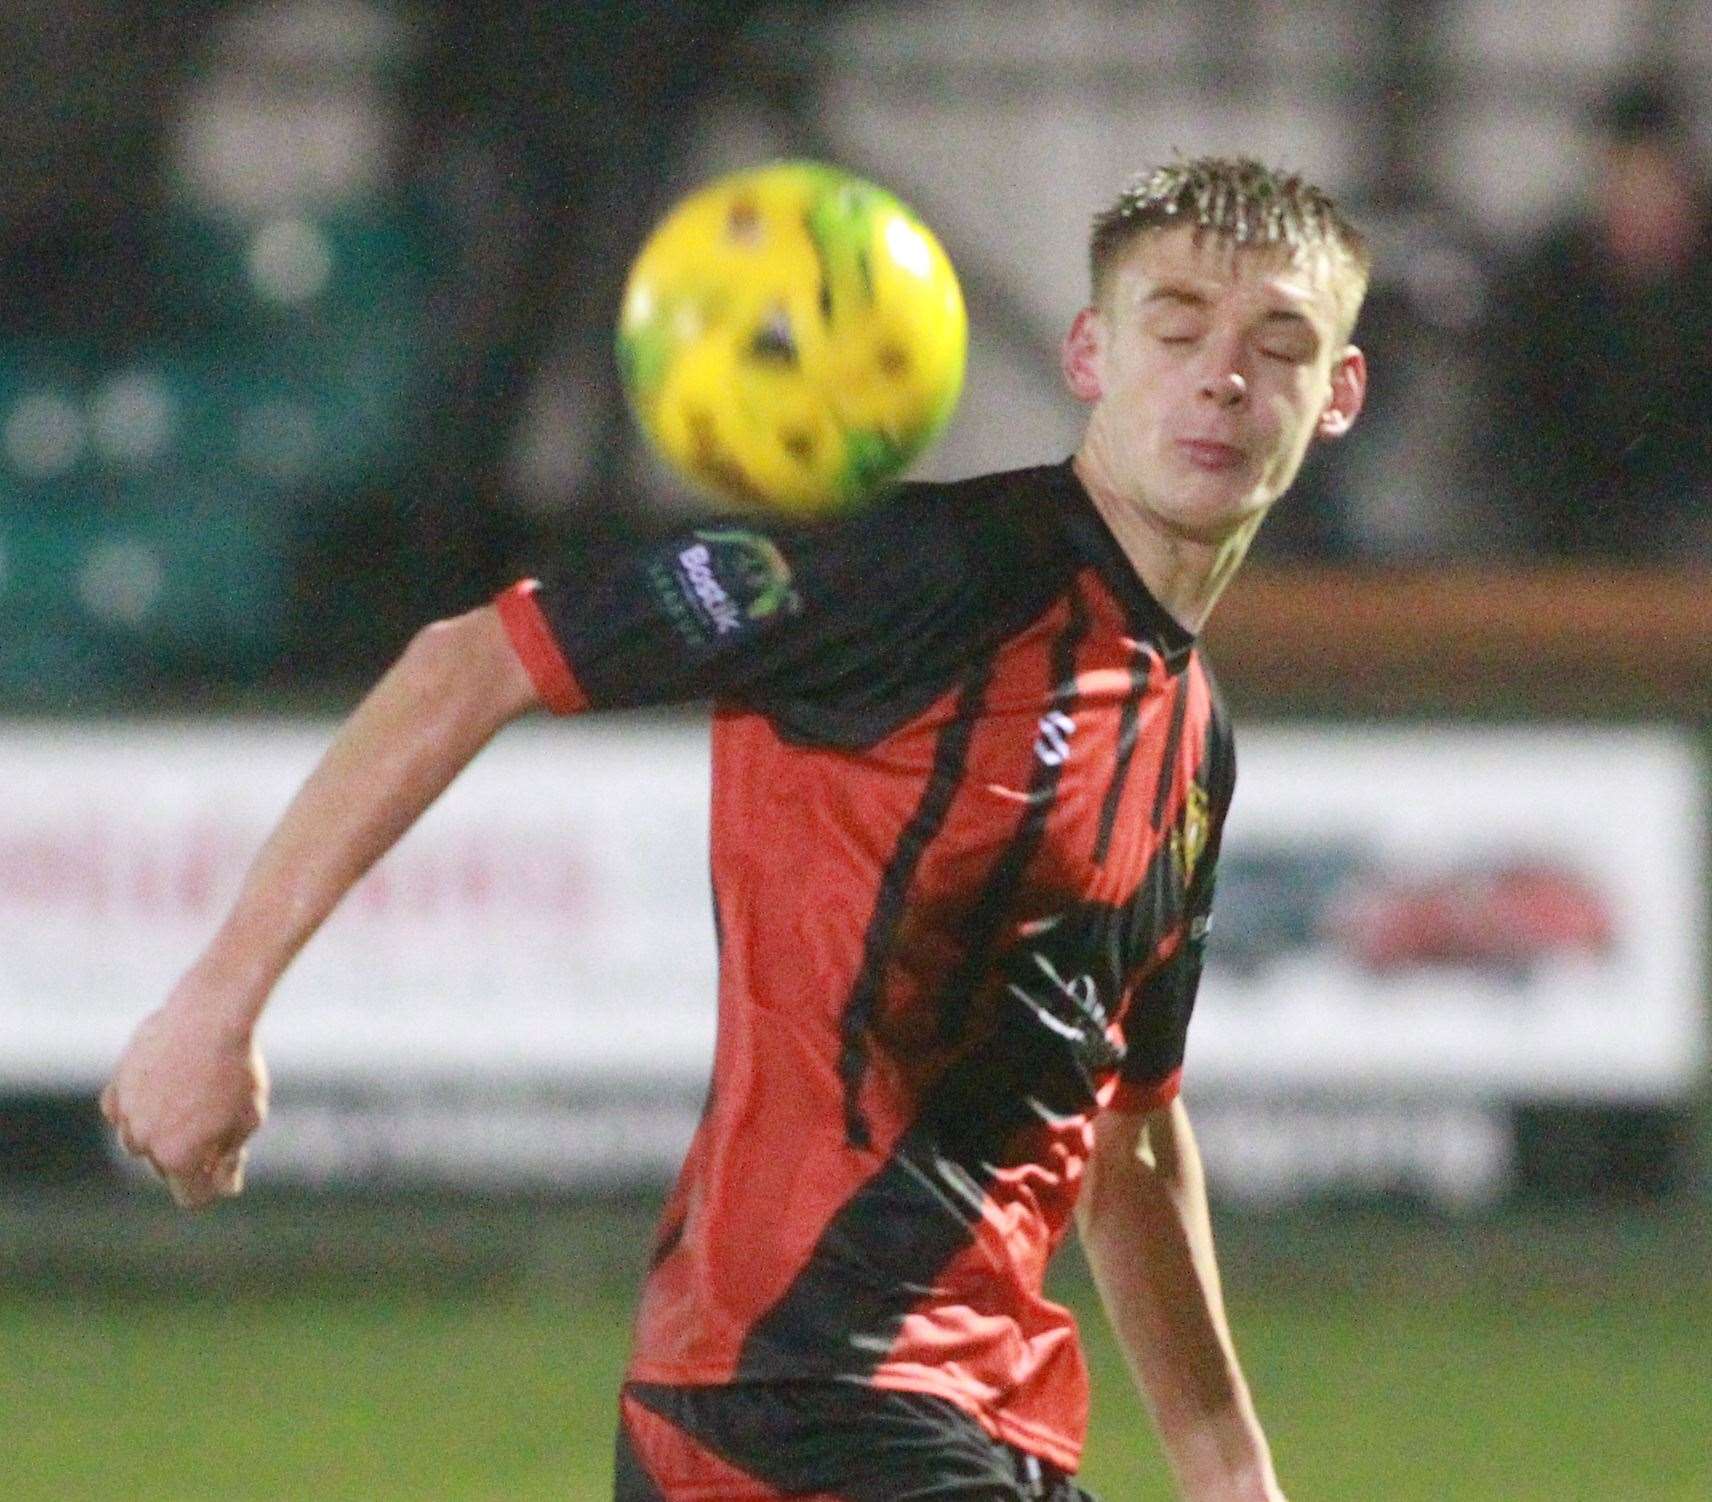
[{"x": 460, "y": 1354}]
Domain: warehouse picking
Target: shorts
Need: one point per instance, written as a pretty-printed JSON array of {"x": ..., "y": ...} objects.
[{"x": 817, "y": 1442}]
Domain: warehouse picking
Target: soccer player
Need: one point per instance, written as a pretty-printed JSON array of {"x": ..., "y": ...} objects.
[{"x": 969, "y": 776}]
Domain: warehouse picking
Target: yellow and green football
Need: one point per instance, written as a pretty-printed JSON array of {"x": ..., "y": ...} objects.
[{"x": 791, "y": 338}]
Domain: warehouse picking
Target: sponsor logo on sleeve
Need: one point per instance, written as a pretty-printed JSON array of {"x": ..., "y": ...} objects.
[{"x": 721, "y": 584}]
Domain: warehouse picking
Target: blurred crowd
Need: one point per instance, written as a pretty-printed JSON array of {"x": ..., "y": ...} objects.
[
  {"x": 314, "y": 340},
  {"x": 1597, "y": 404},
  {"x": 1548, "y": 402}
]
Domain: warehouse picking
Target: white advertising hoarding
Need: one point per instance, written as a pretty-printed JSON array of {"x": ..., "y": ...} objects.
[
  {"x": 1477, "y": 912},
  {"x": 1415, "y": 924},
  {"x": 547, "y": 919}
]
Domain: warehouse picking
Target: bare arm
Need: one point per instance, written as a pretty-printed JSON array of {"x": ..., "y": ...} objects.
[
  {"x": 190, "y": 1086},
  {"x": 1144, "y": 1224}
]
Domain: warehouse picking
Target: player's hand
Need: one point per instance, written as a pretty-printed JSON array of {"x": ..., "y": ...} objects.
[{"x": 185, "y": 1097}]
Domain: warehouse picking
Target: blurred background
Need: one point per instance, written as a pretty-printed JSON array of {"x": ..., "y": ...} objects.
[{"x": 305, "y": 332}]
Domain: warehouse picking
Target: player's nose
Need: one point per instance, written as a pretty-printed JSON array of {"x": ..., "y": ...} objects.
[{"x": 1225, "y": 387}]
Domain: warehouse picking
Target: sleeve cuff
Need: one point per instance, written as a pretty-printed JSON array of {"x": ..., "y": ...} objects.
[
  {"x": 532, "y": 638},
  {"x": 1134, "y": 1099}
]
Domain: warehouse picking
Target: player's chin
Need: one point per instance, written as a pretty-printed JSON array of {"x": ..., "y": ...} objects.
[{"x": 1210, "y": 509}]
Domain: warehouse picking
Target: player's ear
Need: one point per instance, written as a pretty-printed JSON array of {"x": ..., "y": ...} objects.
[
  {"x": 1349, "y": 391},
  {"x": 1080, "y": 355}
]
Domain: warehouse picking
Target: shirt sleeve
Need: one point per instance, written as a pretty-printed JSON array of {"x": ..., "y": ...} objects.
[
  {"x": 1156, "y": 1028},
  {"x": 829, "y": 629},
  {"x": 1156, "y": 1024}
]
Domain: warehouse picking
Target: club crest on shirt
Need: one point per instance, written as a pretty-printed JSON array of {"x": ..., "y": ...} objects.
[
  {"x": 721, "y": 583},
  {"x": 1189, "y": 840}
]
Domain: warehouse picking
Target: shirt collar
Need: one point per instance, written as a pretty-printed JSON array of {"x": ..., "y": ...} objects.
[{"x": 1093, "y": 541}]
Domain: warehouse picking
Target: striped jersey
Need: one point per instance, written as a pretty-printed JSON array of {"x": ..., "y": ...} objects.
[{"x": 968, "y": 784}]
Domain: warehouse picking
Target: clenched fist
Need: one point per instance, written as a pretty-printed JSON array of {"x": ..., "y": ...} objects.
[{"x": 185, "y": 1097}]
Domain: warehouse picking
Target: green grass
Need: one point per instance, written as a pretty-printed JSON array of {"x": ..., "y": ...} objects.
[
  {"x": 304, "y": 1398},
  {"x": 402, "y": 1354}
]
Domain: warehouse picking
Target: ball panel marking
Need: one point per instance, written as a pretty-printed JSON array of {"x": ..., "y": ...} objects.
[{"x": 791, "y": 337}]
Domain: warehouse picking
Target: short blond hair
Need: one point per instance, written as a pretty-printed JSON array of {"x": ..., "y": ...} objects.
[{"x": 1237, "y": 199}]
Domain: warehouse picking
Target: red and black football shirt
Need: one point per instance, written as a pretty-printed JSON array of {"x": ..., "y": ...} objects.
[{"x": 968, "y": 783}]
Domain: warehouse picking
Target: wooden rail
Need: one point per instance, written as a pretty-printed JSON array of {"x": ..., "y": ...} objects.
[{"x": 1560, "y": 640}]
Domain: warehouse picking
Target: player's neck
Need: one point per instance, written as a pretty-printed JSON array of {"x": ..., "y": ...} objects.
[{"x": 1184, "y": 575}]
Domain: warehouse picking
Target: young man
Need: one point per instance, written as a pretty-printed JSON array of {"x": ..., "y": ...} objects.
[{"x": 969, "y": 774}]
